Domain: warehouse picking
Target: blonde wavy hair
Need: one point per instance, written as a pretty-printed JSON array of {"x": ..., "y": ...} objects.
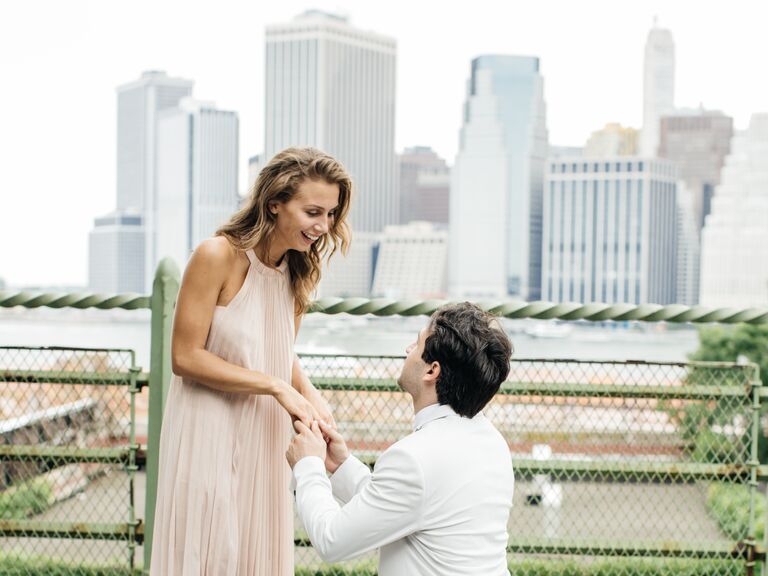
[{"x": 251, "y": 227}]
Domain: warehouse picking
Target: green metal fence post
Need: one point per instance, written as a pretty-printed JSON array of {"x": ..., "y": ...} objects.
[
  {"x": 164, "y": 291},
  {"x": 754, "y": 463}
]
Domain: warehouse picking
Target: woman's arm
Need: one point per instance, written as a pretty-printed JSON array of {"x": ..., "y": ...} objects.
[{"x": 203, "y": 281}]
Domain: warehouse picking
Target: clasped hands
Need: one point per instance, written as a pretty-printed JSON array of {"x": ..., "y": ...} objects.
[{"x": 319, "y": 439}]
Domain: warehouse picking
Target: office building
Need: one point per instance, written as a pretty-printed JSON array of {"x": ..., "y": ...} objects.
[
  {"x": 497, "y": 182},
  {"x": 658, "y": 86},
  {"x": 610, "y": 231},
  {"x": 138, "y": 105},
  {"x": 425, "y": 184},
  {"x": 612, "y": 140},
  {"x": 412, "y": 262},
  {"x": 197, "y": 159},
  {"x": 116, "y": 254},
  {"x": 734, "y": 244}
]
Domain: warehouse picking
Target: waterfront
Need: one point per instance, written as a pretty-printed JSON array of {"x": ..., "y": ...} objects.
[{"x": 359, "y": 335}]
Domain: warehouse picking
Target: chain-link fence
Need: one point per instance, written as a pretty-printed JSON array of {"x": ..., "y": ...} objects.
[
  {"x": 621, "y": 468},
  {"x": 67, "y": 461}
]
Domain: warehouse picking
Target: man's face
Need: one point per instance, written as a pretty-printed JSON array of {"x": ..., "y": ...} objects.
[{"x": 414, "y": 367}]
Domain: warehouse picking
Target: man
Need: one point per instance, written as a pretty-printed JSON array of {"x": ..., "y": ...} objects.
[{"x": 438, "y": 500}]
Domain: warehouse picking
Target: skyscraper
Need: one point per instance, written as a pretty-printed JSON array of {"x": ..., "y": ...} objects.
[
  {"x": 734, "y": 245},
  {"x": 138, "y": 105},
  {"x": 332, "y": 86},
  {"x": 612, "y": 140},
  {"x": 197, "y": 159},
  {"x": 116, "y": 253},
  {"x": 425, "y": 182},
  {"x": 609, "y": 230},
  {"x": 658, "y": 86},
  {"x": 497, "y": 181},
  {"x": 698, "y": 141},
  {"x": 412, "y": 261}
]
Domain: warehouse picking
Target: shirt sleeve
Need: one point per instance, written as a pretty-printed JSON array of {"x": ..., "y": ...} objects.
[
  {"x": 349, "y": 479},
  {"x": 387, "y": 508}
]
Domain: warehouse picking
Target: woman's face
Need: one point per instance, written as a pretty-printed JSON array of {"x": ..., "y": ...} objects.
[{"x": 304, "y": 219}]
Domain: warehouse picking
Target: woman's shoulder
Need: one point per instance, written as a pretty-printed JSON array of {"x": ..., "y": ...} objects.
[
  {"x": 216, "y": 255},
  {"x": 216, "y": 250}
]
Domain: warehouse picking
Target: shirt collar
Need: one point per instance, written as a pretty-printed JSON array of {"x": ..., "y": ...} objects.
[{"x": 430, "y": 413}]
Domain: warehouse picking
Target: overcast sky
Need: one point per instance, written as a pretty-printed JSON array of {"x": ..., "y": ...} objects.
[{"x": 61, "y": 62}]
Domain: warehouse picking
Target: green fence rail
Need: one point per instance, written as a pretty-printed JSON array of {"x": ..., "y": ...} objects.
[
  {"x": 612, "y": 459},
  {"x": 69, "y": 456}
]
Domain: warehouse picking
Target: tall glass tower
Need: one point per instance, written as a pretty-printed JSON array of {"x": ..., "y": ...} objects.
[{"x": 497, "y": 182}]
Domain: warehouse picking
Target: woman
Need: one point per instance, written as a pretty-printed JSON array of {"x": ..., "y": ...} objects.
[{"x": 223, "y": 504}]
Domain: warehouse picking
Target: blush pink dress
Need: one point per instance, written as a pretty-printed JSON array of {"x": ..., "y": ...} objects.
[{"x": 223, "y": 502}]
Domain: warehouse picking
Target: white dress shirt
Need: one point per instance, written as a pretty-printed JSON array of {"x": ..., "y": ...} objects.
[{"x": 437, "y": 502}]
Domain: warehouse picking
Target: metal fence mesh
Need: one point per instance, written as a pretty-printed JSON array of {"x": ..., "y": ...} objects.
[
  {"x": 625, "y": 468},
  {"x": 66, "y": 480},
  {"x": 621, "y": 468}
]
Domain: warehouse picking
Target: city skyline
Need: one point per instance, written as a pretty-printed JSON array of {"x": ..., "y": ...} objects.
[{"x": 63, "y": 118}]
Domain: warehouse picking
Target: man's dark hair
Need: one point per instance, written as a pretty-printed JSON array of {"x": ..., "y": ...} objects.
[{"x": 473, "y": 352}]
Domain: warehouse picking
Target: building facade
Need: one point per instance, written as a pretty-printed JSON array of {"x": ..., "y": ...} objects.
[
  {"x": 697, "y": 141},
  {"x": 613, "y": 140},
  {"x": 412, "y": 262},
  {"x": 497, "y": 181},
  {"x": 197, "y": 165},
  {"x": 116, "y": 253},
  {"x": 610, "y": 231},
  {"x": 658, "y": 86},
  {"x": 332, "y": 86},
  {"x": 425, "y": 184},
  {"x": 138, "y": 105},
  {"x": 734, "y": 245}
]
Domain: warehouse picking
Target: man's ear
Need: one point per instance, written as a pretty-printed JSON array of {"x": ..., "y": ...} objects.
[{"x": 432, "y": 374}]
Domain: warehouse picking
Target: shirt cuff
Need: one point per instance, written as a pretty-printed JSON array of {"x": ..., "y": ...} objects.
[{"x": 347, "y": 477}]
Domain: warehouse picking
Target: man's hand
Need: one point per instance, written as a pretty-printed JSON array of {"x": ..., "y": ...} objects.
[
  {"x": 307, "y": 442},
  {"x": 337, "y": 448}
]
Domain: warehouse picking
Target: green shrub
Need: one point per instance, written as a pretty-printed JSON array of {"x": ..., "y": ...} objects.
[
  {"x": 25, "y": 500},
  {"x": 626, "y": 567},
  {"x": 728, "y": 504},
  {"x": 38, "y": 566}
]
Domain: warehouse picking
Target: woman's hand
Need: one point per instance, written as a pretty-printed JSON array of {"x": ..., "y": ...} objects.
[
  {"x": 295, "y": 404},
  {"x": 321, "y": 406}
]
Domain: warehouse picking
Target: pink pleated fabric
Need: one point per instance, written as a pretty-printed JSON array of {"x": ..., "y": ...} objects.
[{"x": 223, "y": 504}]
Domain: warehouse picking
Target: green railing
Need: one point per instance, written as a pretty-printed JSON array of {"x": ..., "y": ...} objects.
[
  {"x": 73, "y": 428},
  {"x": 631, "y": 451},
  {"x": 680, "y": 465}
]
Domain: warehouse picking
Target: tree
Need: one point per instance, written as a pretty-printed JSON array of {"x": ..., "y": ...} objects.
[
  {"x": 744, "y": 342},
  {"x": 734, "y": 343}
]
